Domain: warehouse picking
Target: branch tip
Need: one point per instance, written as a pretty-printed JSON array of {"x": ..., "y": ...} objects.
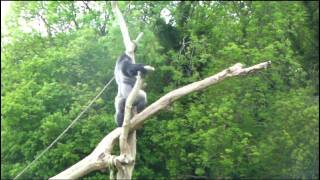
[{"x": 138, "y": 37}]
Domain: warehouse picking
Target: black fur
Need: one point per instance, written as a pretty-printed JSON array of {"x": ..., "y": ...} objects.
[{"x": 125, "y": 72}]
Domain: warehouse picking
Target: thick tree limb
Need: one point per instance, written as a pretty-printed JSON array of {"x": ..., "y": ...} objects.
[
  {"x": 127, "y": 141},
  {"x": 123, "y": 27},
  {"x": 127, "y": 116},
  {"x": 167, "y": 99},
  {"x": 102, "y": 153},
  {"x": 98, "y": 159},
  {"x": 101, "y": 157}
]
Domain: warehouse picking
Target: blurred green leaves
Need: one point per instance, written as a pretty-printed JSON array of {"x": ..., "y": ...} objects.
[{"x": 263, "y": 126}]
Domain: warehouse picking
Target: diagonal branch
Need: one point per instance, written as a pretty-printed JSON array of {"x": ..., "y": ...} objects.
[
  {"x": 123, "y": 27},
  {"x": 128, "y": 108},
  {"x": 102, "y": 153},
  {"x": 98, "y": 159},
  {"x": 167, "y": 99}
]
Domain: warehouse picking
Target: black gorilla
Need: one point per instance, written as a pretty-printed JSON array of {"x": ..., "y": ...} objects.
[{"x": 125, "y": 72}]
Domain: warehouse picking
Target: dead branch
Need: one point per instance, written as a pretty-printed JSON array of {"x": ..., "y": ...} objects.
[
  {"x": 123, "y": 27},
  {"x": 101, "y": 156},
  {"x": 127, "y": 141},
  {"x": 167, "y": 99}
]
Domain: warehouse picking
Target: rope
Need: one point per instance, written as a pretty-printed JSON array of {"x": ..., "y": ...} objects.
[{"x": 72, "y": 123}]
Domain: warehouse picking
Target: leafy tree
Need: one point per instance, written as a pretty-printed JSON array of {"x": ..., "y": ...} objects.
[{"x": 263, "y": 126}]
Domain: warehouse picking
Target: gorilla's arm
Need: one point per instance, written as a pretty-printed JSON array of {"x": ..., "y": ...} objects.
[{"x": 130, "y": 69}]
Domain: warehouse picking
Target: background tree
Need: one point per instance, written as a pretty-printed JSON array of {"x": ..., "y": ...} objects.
[{"x": 262, "y": 126}]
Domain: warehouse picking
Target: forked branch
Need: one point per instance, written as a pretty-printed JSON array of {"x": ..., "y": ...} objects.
[{"x": 101, "y": 156}]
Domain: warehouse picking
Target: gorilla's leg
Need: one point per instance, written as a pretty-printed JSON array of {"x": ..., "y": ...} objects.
[
  {"x": 141, "y": 101},
  {"x": 120, "y": 104}
]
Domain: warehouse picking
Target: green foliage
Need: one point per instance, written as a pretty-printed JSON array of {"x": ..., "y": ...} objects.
[{"x": 262, "y": 126}]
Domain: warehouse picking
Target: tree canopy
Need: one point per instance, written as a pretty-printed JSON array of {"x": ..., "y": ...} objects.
[{"x": 56, "y": 55}]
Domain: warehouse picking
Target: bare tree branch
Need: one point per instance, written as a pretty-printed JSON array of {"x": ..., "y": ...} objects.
[
  {"x": 127, "y": 142},
  {"x": 167, "y": 99},
  {"x": 74, "y": 13},
  {"x": 98, "y": 159},
  {"x": 123, "y": 27},
  {"x": 87, "y": 6},
  {"x": 101, "y": 156}
]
